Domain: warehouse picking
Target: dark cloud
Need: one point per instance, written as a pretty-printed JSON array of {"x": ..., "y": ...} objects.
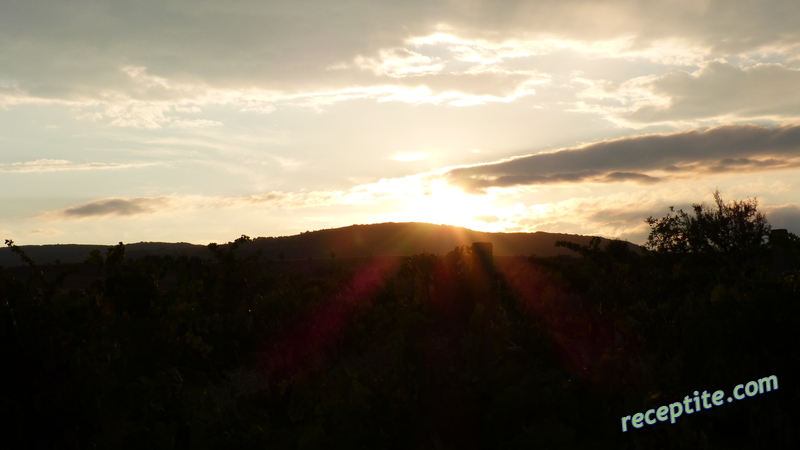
[
  {"x": 717, "y": 150},
  {"x": 785, "y": 216},
  {"x": 748, "y": 164},
  {"x": 630, "y": 176},
  {"x": 117, "y": 207}
]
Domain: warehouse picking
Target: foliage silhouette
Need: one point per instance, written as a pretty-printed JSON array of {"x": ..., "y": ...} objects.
[
  {"x": 423, "y": 351},
  {"x": 731, "y": 228}
]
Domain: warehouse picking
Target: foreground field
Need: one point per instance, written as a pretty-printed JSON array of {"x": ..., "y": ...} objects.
[{"x": 399, "y": 352}]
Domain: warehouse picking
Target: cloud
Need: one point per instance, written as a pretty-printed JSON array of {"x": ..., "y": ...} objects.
[
  {"x": 400, "y": 62},
  {"x": 492, "y": 55},
  {"x": 151, "y": 115},
  {"x": 170, "y": 203},
  {"x": 644, "y": 159},
  {"x": 196, "y": 123},
  {"x": 718, "y": 92},
  {"x": 137, "y": 115},
  {"x": 784, "y": 216},
  {"x": 277, "y": 199},
  {"x": 734, "y": 26},
  {"x": 456, "y": 89},
  {"x": 59, "y": 165},
  {"x": 416, "y": 93},
  {"x": 45, "y": 232},
  {"x": 117, "y": 207},
  {"x": 618, "y": 215},
  {"x": 139, "y": 63},
  {"x": 630, "y": 176}
]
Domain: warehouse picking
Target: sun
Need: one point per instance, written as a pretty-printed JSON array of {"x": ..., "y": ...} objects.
[{"x": 445, "y": 204}]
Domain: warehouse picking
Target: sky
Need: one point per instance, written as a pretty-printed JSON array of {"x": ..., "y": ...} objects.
[{"x": 199, "y": 121}]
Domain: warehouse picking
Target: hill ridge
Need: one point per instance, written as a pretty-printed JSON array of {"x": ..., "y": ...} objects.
[{"x": 357, "y": 240}]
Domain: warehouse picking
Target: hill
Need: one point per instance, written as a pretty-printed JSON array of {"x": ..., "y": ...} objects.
[
  {"x": 397, "y": 239},
  {"x": 383, "y": 239}
]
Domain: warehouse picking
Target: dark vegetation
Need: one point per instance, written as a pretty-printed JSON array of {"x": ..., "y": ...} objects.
[{"x": 419, "y": 352}]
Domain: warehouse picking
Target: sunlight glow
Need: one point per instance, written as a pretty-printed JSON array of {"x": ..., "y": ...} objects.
[
  {"x": 410, "y": 157},
  {"x": 445, "y": 204}
]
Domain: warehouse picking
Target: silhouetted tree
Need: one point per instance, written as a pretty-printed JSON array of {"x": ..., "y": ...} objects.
[{"x": 730, "y": 228}]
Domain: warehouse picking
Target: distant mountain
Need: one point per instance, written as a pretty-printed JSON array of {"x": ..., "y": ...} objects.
[
  {"x": 381, "y": 239},
  {"x": 409, "y": 239}
]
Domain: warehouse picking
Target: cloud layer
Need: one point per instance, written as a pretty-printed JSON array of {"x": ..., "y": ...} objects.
[
  {"x": 143, "y": 64},
  {"x": 116, "y": 207},
  {"x": 718, "y": 92},
  {"x": 61, "y": 165},
  {"x": 644, "y": 159}
]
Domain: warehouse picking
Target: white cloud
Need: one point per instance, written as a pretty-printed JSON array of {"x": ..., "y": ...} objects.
[
  {"x": 717, "y": 93},
  {"x": 59, "y": 165},
  {"x": 137, "y": 115},
  {"x": 196, "y": 123},
  {"x": 483, "y": 53},
  {"x": 400, "y": 62}
]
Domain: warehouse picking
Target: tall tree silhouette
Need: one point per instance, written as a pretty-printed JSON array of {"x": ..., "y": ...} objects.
[{"x": 730, "y": 228}]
